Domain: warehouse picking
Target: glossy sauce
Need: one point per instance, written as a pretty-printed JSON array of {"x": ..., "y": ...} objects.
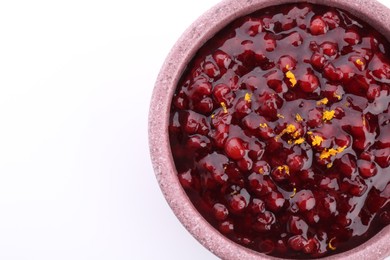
[{"x": 279, "y": 130}]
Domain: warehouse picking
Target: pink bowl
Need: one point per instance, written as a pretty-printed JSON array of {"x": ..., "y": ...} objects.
[{"x": 196, "y": 35}]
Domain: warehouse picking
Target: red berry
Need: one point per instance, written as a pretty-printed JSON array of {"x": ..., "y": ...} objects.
[
  {"x": 317, "y": 60},
  {"x": 330, "y": 49},
  {"x": 286, "y": 63},
  {"x": 367, "y": 169},
  {"x": 351, "y": 37},
  {"x": 305, "y": 200},
  {"x": 237, "y": 203},
  {"x": 297, "y": 226},
  {"x": 226, "y": 227},
  {"x": 275, "y": 201},
  {"x": 309, "y": 82},
  {"x": 234, "y": 148},
  {"x": 257, "y": 206},
  {"x": 297, "y": 242},
  {"x": 211, "y": 69},
  {"x": 331, "y": 19},
  {"x": 220, "y": 211},
  {"x": 318, "y": 26}
]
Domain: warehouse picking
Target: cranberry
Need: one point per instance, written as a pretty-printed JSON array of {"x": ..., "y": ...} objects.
[
  {"x": 237, "y": 203},
  {"x": 305, "y": 200},
  {"x": 295, "y": 39},
  {"x": 318, "y": 26},
  {"x": 358, "y": 187},
  {"x": 269, "y": 43},
  {"x": 280, "y": 173},
  {"x": 201, "y": 89},
  {"x": 269, "y": 103},
  {"x": 245, "y": 164},
  {"x": 264, "y": 221},
  {"x": 195, "y": 123},
  {"x": 222, "y": 59},
  {"x": 295, "y": 162},
  {"x": 347, "y": 165},
  {"x": 220, "y": 211},
  {"x": 297, "y": 242},
  {"x": 331, "y": 19},
  {"x": 253, "y": 27},
  {"x": 331, "y": 73},
  {"x": 317, "y": 60},
  {"x": 222, "y": 93},
  {"x": 330, "y": 49},
  {"x": 297, "y": 226},
  {"x": 311, "y": 246},
  {"x": 198, "y": 142},
  {"x": 234, "y": 148},
  {"x": 275, "y": 201},
  {"x": 262, "y": 167},
  {"x": 286, "y": 63},
  {"x": 257, "y": 206},
  {"x": 367, "y": 169},
  {"x": 211, "y": 69},
  {"x": 351, "y": 37},
  {"x": 226, "y": 227},
  {"x": 204, "y": 106},
  {"x": 220, "y": 135},
  {"x": 309, "y": 82}
]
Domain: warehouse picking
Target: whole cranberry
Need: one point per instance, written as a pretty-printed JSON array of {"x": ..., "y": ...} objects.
[
  {"x": 222, "y": 93},
  {"x": 286, "y": 63},
  {"x": 332, "y": 19},
  {"x": 318, "y": 26},
  {"x": 297, "y": 226},
  {"x": 297, "y": 242},
  {"x": 257, "y": 206},
  {"x": 352, "y": 37},
  {"x": 305, "y": 200},
  {"x": 226, "y": 227},
  {"x": 222, "y": 59},
  {"x": 309, "y": 82},
  {"x": 295, "y": 162},
  {"x": 220, "y": 211},
  {"x": 367, "y": 169},
  {"x": 211, "y": 69},
  {"x": 264, "y": 221},
  {"x": 330, "y": 49},
  {"x": 234, "y": 148},
  {"x": 275, "y": 201},
  {"x": 317, "y": 60},
  {"x": 237, "y": 203}
]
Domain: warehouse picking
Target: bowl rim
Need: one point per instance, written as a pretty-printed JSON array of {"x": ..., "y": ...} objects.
[{"x": 371, "y": 11}]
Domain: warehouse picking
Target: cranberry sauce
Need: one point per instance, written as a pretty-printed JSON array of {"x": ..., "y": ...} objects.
[{"x": 280, "y": 131}]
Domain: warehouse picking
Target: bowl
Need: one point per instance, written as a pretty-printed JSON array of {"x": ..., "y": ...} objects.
[{"x": 181, "y": 54}]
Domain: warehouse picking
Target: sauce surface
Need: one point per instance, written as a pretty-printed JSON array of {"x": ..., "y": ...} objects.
[{"x": 280, "y": 131}]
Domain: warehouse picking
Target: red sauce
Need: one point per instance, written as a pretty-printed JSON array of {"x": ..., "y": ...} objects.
[{"x": 280, "y": 131}]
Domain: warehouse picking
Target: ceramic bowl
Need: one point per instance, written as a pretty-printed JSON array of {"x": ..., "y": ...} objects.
[{"x": 193, "y": 38}]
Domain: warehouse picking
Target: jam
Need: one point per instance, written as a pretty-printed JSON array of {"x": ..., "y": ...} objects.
[{"x": 279, "y": 130}]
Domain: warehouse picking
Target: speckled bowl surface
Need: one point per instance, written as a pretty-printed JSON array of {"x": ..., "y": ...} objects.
[{"x": 196, "y": 35}]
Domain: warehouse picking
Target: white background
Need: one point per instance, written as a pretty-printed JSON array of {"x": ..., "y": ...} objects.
[{"x": 76, "y": 78}]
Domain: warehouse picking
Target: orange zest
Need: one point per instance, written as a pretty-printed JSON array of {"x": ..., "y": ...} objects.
[
  {"x": 223, "y": 105},
  {"x": 291, "y": 77}
]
